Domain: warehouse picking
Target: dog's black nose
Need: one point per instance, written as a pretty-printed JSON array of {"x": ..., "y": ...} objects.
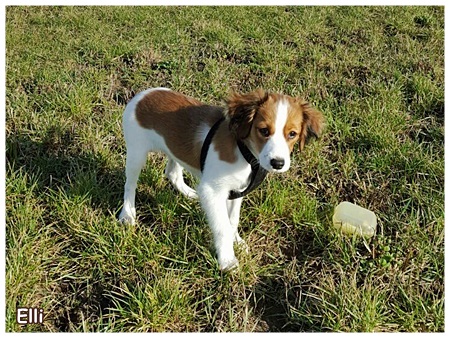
[{"x": 277, "y": 163}]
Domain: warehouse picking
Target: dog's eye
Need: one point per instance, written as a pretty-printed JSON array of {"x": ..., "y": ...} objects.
[
  {"x": 292, "y": 135},
  {"x": 264, "y": 132}
]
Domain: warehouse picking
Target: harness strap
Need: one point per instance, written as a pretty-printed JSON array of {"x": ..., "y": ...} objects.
[
  {"x": 207, "y": 142},
  {"x": 256, "y": 176}
]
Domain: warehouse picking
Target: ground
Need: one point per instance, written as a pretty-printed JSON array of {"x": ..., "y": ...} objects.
[{"x": 376, "y": 73}]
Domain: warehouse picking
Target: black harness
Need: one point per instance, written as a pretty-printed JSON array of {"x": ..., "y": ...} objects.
[{"x": 258, "y": 173}]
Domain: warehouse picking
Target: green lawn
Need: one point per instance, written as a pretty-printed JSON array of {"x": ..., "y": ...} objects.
[{"x": 377, "y": 74}]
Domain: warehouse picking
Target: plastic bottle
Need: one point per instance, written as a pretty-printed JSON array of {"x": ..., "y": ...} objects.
[{"x": 353, "y": 219}]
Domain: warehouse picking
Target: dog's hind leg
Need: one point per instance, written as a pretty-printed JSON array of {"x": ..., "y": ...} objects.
[
  {"x": 136, "y": 158},
  {"x": 174, "y": 172}
]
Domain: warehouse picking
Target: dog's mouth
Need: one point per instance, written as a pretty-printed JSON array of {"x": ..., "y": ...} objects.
[{"x": 272, "y": 170}]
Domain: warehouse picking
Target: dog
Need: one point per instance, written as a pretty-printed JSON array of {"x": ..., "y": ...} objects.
[{"x": 229, "y": 148}]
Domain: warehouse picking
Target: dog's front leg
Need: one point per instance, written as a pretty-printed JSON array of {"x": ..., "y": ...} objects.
[
  {"x": 214, "y": 202},
  {"x": 234, "y": 210}
]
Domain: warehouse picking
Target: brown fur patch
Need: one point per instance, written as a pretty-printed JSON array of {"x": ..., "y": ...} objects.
[
  {"x": 225, "y": 144},
  {"x": 265, "y": 118},
  {"x": 294, "y": 122},
  {"x": 242, "y": 109},
  {"x": 176, "y": 118},
  {"x": 313, "y": 123}
]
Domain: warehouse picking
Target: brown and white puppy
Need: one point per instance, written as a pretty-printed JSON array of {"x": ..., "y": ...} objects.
[{"x": 267, "y": 124}]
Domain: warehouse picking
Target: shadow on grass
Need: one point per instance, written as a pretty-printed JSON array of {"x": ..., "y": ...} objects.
[
  {"x": 282, "y": 301},
  {"x": 57, "y": 163}
]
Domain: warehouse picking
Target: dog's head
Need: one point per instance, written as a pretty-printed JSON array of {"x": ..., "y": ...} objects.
[{"x": 270, "y": 125}]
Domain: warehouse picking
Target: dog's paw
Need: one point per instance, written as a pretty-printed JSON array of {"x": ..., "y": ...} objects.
[
  {"x": 229, "y": 265},
  {"x": 185, "y": 190},
  {"x": 126, "y": 218},
  {"x": 191, "y": 193}
]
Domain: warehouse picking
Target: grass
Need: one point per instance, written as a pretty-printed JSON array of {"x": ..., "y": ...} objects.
[{"x": 377, "y": 73}]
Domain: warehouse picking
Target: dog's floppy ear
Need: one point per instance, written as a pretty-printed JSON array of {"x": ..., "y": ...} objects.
[
  {"x": 313, "y": 124},
  {"x": 242, "y": 109}
]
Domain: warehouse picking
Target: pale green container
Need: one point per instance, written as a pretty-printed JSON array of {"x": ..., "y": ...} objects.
[{"x": 353, "y": 219}]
